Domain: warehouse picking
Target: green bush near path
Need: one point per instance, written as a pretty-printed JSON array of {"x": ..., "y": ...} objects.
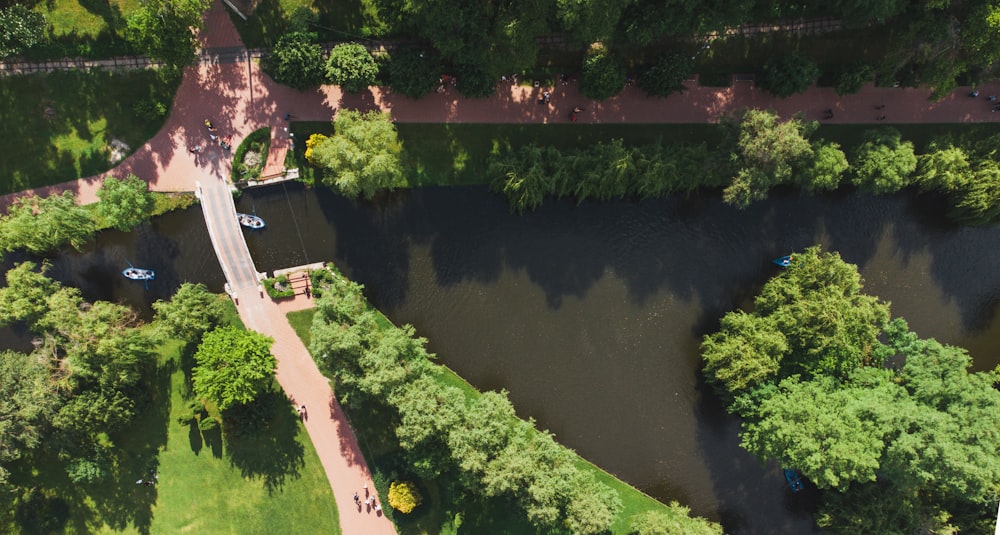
[{"x": 59, "y": 126}]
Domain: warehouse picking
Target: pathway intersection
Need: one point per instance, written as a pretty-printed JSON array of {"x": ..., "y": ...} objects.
[{"x": 229, "y": 89}]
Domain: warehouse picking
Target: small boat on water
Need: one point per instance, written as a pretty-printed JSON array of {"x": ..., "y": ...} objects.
[
  {"x": 138, "y": 274},
  {"x": 794, "y": 482},
  {"x": 250, "y": 221},
  {"x": 783, "y": 261}
]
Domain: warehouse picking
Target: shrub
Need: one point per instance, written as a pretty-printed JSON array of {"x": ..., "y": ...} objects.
[
  {"x": 414, "y": 73},
  {"x": 296, "y": 61},
  {"x": 666, "y": 75},
  {"x": 786, "y": 75},
  {"x": 404, "y": 496},
  {"x": 603, "y": 74},
  {"x": 474, "y": 82},
  {"x": 320, "y": 280},
  {"x": 259, "y": 141},
  {"x": 149, "y": 109},
  {"x": 279, "y": 287},
  {"x": 851, "y": 79},
  {"x": 351, "y": 67}
]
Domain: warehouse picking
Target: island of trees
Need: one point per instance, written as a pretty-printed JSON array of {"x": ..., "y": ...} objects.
[{"x": 895, "y": 430}]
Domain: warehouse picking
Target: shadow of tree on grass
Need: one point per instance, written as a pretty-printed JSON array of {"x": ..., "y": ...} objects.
[{"x": 260, "y": 438}]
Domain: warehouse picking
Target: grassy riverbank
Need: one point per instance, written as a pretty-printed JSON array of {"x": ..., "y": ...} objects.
[
  {"x": 457, "y": 154},
  {"x": 443, "y": 512}
]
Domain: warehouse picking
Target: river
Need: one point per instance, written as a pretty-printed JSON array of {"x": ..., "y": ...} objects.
[{"x": 591, "y": 315}]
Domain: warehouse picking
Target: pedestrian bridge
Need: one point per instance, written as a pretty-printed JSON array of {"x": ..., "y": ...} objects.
[{"x": 227, "y": 237}]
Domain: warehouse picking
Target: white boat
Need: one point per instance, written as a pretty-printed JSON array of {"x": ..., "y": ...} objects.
[
  {"x": 138, "y": 274},
  {"x": 250, "y": 221}
]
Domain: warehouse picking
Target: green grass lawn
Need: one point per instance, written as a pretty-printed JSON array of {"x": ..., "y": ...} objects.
[
  {"x": 442, "y": 513},
  {"x": 84, "y": 29},
  {"x": 57, "y": 126},
  {"x": 269, "y": 484}
]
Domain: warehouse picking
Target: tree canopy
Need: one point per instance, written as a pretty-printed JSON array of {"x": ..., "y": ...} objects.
[
  {"x": 166, "y": 29},
  {"x": 352, "y": 67},
  {"x": 20, "y": 29},
  {"x": 362, "y": 157},
  {"x": 296, "y": 61},
  {"x": 42, "y": 224},
  {"x": 81, "y": 383},
  {"x": 233, "y": 366},
  {"x": 124, "y": 204},
  {"x": 914, "y": 443},
  {"x": 191, "y": 312}
]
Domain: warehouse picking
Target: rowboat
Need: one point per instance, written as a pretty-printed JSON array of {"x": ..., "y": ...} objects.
[
  {"x": 138, "y": 274},
  {"x": 783, "y": 261},
  {"x": 794, "y": 482},
  {"x": 250, "y": 221}
]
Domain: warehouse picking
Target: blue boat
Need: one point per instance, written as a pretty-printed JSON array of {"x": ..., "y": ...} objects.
[
  {"x": 783, "y": 261},
  {"x": 794, "y": 482}
]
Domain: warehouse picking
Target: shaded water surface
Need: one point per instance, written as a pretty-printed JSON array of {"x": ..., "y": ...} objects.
[{"x": 591, "y": 316}]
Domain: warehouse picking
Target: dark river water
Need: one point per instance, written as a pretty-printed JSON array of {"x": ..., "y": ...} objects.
[{"x": 591, "y": 316}]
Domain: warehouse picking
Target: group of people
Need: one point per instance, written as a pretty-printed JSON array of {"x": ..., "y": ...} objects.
[
  {"x": 224, "y": 143},
  {"x": 370, "y": 502},
  {"x": 992, "y": 99}
]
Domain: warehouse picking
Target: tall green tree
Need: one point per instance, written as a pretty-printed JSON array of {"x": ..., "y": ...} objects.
[
  {"x": 362, "y": 157},
  {"x": 884, "y": 163},
  {"x": 41, "y": 225},
  {"x": 25, "y": 298},
  {"x": 20, "y": 29},
  {"x": 296, "y": 61},
  {"x": 767, "y": 152},
  {"x": 785, "y": 75},
  {"x": 125, "y": 204},
  {"x": 167, "y": 29},
  {"x": 191, "y": 312},
  {"x": 27, "y": 404},
  {"x": 352, "y": 67},
  {"x": 233, "y": 366}
]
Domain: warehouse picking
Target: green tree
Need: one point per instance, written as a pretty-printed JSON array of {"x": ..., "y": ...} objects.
[
  {"x": 191, "y": 312},
  {"x": 828, "y": 166},
  {"x": 363, "y": 156},
  {"x": 27, "y": 403},
  {"x": 767, "y": 152},
  {"x": 498, "y": 38},
  {"x": 589, "y": 21},
  {"x": 785, "y": 75},
  {"x": 296, "y": 61},
  {"x": 602, "y": 75},
  {"x": 45, "y": 224},
  {"x": 853, "y": 78},
  {"x": 943, "y": 168},
  {"x": 166, "y": 29},
  {"x": 414, "y": 72},
  {"x": 25, "y": 298},
  {"x": 20, "y": 29},
  {"x": 352, "y": 67},
  {"x": 660, "y": 523},
  {"x": 666, "y": 76},
  {"x": 233, "y": 366},
  {"x": 125, "y": 204},
  {"x": 833, "y": 448},
  {"x": 744, "y": 353},
  {"x": 884, "y": 163}
]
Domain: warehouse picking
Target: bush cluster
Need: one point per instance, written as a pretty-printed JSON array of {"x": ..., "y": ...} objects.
[{"x": 404, "y": 496}]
